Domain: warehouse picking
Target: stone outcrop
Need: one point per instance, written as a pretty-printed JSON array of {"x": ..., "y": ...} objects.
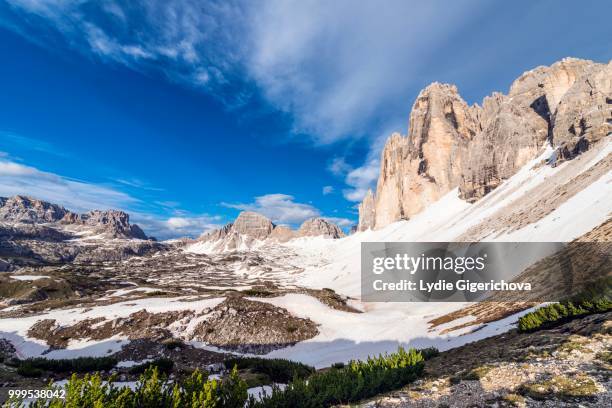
[
  {"x": 282, "y": 233},
  {"x": 22, "y": 210},
  {"x": 316, "y": 227},
  {"x": 251, "y": 228},
  {"x": 253, "y": 225},
  {"x": 115, "y": 223},
  {"x": 247, "y": 326},
  {"x": 29, "y": 210},
  {"x": 418, "y": 170},
  {"x": 583, "y": 115},
  {"x": 563, "y": 104},
  {"x": 475, "y": 148},
  {"x": 367, "y": 212}
]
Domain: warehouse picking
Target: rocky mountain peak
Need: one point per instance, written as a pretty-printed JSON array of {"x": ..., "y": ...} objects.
[
  {"x": 282, "y": 233},
  {"x": 319, "y": 227},
  {"x": 251, "y": 228},
  {"x": 22, "y": 209},
  {"x": 115, "y": 222},
  {"x": 417, "y": 170},
  {"x": 367, "y": 212},
  {"x": 29, "y": 210},
  {"x": 253, "y": 224},
  {"x": 475, "y": 148}
]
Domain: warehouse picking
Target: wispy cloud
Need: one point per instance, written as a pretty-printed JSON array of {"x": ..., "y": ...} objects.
[
  {"x": 342, "y": 69},
  {"x": 137, "y": 183},
  {"x": 176, "y": 226},
  {"x": 341, "y": 222},
  {"x": 17, "y": 178},
  {"x": 328, "y": 190},
  {"x": 82, "y": 196},
  {"x": 12, "y": 140}
]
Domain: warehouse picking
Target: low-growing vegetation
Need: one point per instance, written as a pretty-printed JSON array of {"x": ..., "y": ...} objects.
[
  {"x": 152, "y": 390},
  {"x": 354, "y": 382},
  {"x": 595, "y": 299},
  {"x": 579, "y": 385},
  {"x": 278, "y": 370},
  {"x": 163, "y": 365},
  {"x": 35, "y": 367}
]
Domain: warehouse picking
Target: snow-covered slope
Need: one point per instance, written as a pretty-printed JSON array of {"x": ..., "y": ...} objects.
[
  {"x": 336, "y": 264},
  {"x": 539, "y": 203}
]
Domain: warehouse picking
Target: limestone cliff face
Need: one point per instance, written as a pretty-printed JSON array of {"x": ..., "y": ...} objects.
[
  {"x": 583, "y": 114},
  {"x": 316, "y": 227},
  {"x": 562, "y": 105},
  {"x": 367, "y": 212},
  {"x": 475, "y": 148},
  {"x": 251, "y": 228},
  {"x": 28, "y": 210},
  {"x": 418, "y": 170},
  {"x": 253, "y": 225},
  {"x": 282, "y": 233}
]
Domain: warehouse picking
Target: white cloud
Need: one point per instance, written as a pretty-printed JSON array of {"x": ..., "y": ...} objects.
[
  {"x": 360, "y": 180},
  {"x": 342, "y": 69},
  {"x": 280, "y": 208},
  {"x": 328, "y": 190},
  {"x": 177, "y": 226},
  {"x": 81, "y": 196},
  {"x": 16, "y": 178},
  {"x": 338, "y": 166}
]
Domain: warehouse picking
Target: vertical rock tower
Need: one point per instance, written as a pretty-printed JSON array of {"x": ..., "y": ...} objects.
[{"x": 450, "y": 144}]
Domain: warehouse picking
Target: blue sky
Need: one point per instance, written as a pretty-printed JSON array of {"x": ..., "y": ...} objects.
[{"x": 186, "y": 112}]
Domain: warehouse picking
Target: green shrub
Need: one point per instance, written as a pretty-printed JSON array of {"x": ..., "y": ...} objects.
[
  {"x": 429, "y": 352},
  {"x": 75, "y": 365},
  {"x": 357, "y": 381},
  {"x": 29, "y": 371},
  {"x": 152, "y": 390},
  {"x": 278, "y": 370},
  {"x": 163, "y": 365},
  {"x": 594, "y": 299},
  {"x": 257, "y": 292},
  {"x": 173, "y": 343}
]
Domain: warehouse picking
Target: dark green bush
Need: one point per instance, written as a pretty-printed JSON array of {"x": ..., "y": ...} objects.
[
  {"x": 75, "y": 365},
  {"x": 163, "y": 365},
  {"x": 257, "y": 292},
  {"x": 152, "y": 390},
  {"x": 429, "y": 352},
  {"x": 278, "y": 370},
  {"x": 594, "y": 299},
  {"x": 29, "y": 371},
  {"x": 357, "y": 381}
]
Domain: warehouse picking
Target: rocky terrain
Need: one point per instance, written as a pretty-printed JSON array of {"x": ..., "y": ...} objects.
[
  {"x": 568, "y": 366},
  {"x": 450, "y": 144},
  {"x": 26, "y": 210},
  {"x": 35, "y": 232},
  {"x": 251, "y": 229},
  {"x": 533, "y": 165}
]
